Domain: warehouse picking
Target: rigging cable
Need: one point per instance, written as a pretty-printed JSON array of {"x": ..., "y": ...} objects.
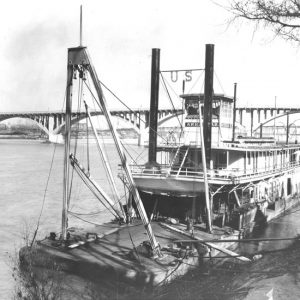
[
  {"x": 79, "y": 100},
  {"x": 87, "y": 142},
  {"x": 110, "y": 180},
  {"x": 97, "y": 224},
  {"x": 164, "y": 82},
  {"x": 46, "y": 188},
  {"x": 134, "y": 247},
  {"x": 109, "y": 90},
  {"x": 196, "y": 81},
  {"x": 93, "y": 213},
  {"x": 100, "y": 106},
  {"x": 127, "y": 107},
  {"x": 95, "y": 194},
  {"x": 219, "y": 81},
  {"x": 93, "y": 223},
  {"x": 169, "y": 96}
]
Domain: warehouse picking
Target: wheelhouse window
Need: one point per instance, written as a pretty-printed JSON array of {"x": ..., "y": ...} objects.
[
  {"x": 222, "y": 159},
  {"x": 192, "y": 107}
]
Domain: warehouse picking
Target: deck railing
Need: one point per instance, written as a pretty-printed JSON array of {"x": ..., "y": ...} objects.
[{"x": 220, "y": 173}]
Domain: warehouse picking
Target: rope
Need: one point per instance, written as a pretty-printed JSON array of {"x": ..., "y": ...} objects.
[
  {"x": 219, "y": 82},
  {"x": 123, "y": 104},
  {"x": 133, "y": 245},
  {"x": 46, "y": 188},
  {"x": 87, "y": 143},
  {"x": 128, "y": 108},
  {"x": 92, "y": 190},
  {"x": 196, "y": 81},
  {"x": 169, "y": 96},
  {"x": 94, "y": 213},
  {"x": 93, "y": 223},
  {"x": 179, "y": 264},
  {"x": 76, "y": 137},
  {"x": 97, "y": 224},
  {"x": 115, "y": 197}
]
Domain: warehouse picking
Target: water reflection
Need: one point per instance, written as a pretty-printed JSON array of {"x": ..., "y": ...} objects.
[{"x": 284, "y": 226}]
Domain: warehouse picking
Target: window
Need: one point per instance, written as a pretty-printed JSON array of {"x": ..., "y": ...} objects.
[
  {"x": 289, "y": 186},
  {"x": 222, "y": 158},
  {"x": 249, "y": 157}
]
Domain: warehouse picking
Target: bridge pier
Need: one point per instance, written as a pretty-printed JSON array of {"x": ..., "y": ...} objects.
[
  {"x": 142, "y": 136},
  {"x": 56, "y": 138}
]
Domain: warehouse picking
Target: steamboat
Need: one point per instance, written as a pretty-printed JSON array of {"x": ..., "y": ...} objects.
[
  {"x": 214, "y": 173},
  {"x": 211, "y": 185}
]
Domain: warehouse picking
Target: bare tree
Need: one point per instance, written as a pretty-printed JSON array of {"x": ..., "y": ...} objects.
[{"x": 282, "y": 17}]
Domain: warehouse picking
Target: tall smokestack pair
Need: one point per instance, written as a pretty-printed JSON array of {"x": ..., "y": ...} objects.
[{"x": 208, "y": 99}]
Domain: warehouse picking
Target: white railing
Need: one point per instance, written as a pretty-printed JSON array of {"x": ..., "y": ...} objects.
[{"x": 220, "y": 173}]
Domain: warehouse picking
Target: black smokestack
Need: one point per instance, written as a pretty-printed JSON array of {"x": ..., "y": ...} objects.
[
  {"x": 154, "y": 107},
  {"x": 208, "y": 99}
]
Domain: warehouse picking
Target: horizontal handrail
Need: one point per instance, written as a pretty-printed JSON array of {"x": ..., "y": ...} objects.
[{"x": 232, "y": 173}]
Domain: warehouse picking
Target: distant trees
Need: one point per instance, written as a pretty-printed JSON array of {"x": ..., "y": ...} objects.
[{"x": 282, "y": 17}]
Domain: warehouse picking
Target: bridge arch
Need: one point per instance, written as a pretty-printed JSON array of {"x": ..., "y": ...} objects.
[
  {"x": 168, "y": 117},
  {"x": 137, "y": 129},
  {"x": 39, "y": 124},
  {"x": 274, "y": 118},
  {"x": 52, "y": 123},
  {"x": 60, "y": 129},
  {"x": 145, "y": 131}
]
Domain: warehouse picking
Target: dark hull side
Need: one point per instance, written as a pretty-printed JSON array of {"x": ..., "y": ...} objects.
[
  {"x": 244, "y": 218},
  {"x": 174, "y": 207}
]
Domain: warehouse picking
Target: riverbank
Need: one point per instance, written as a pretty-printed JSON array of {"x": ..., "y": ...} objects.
[
  {"x": 275, "y": 275},
  {"x": 20, "y": 137}
]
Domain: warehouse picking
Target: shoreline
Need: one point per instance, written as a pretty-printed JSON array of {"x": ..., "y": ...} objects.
[
  {"x": 80, "y": 140},
  {"x": 275, "y": 274}
]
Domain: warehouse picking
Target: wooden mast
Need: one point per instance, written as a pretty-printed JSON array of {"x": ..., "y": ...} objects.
[
  {"x": 78, "y": 58},
  {"x": 66, "y": 188},
  {"x": 207, "y": 200},
  {"x": 205, "y": 132},
  {"x": 64, "y": 224}
]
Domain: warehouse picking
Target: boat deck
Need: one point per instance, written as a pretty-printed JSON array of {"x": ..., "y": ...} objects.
[{"x": 112, "y": 256}]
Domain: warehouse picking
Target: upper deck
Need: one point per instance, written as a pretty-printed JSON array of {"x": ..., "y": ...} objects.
[
  {"x": 235, "y": 159},
  {"x": 232, "y": 163}
]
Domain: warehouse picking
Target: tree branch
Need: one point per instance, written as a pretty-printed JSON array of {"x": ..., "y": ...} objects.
[{"x": 283, "y": 17}]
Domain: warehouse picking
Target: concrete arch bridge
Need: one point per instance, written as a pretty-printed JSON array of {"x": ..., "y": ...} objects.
[
  {"x": 283, "y": 127},
  {"x": 253, "y": 118},
  {"x": 53, "y": 122}
]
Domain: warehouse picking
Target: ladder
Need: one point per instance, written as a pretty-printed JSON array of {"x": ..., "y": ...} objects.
[
  {"x": 175, "y": 156},
  {"x": 183, "y": 160}
]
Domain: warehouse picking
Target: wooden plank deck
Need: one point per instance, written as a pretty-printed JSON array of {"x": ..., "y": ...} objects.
[{"x": 112, "y": 257}]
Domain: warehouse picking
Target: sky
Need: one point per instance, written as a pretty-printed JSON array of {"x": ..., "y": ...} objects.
[{"x": 119, "y": 35}]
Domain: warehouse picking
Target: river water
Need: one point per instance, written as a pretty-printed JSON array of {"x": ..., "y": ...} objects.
[{"x": 25, "y": 168}]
